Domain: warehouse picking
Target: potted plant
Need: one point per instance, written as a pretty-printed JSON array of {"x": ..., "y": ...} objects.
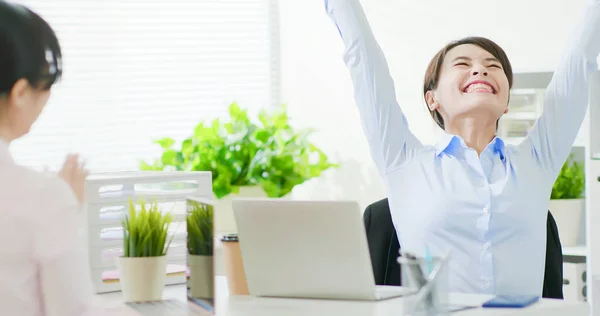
[
  {"x": 142, "y": 268},
  {"x": 267, "y": 158},
  {"x": 567, "y": 202},
  {"x": 199, "y": 221}
]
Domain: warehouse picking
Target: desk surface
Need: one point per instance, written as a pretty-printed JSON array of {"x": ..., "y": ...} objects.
[
  {"x": 258, "y": 306},
  {"x": 250, "y": 306}
]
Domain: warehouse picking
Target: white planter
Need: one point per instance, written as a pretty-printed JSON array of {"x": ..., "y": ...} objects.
[
  {"x": 201, "y": 284},
  {"x": 567, "y": 214},
  {"x": 142, "y": 279},
  {"x": 224, "y": 219}
]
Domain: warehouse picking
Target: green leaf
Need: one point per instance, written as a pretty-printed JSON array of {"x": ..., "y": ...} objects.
[
  {"x": 165, "y": 143},
  {"x": 570, "y": 182},
  {"x": 145, "y": 166},
  {"x": 169, "y": 157},
  {"x": 199, "y": 130},
  {"x": 187, "y": 147}
]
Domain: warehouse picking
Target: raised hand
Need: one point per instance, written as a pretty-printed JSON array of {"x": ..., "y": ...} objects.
[{"x": 74, "y": 173}]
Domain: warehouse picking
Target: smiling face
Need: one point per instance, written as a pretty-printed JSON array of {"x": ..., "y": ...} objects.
[{"x": 466, "y": 80}]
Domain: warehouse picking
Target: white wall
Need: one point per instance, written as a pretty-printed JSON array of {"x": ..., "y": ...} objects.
[{"x": 317, "y": 87}]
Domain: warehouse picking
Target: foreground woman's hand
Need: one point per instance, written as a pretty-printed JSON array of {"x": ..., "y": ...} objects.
[{"x": 74, "y": 173}]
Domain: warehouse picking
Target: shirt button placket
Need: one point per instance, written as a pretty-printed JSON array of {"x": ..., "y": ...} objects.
[{"x": 486, "y": 262}]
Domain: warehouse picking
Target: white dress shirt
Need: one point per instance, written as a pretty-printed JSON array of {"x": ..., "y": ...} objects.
[
  {"x": 44, "y": 269},
  {"x": 489, "y": 210}
]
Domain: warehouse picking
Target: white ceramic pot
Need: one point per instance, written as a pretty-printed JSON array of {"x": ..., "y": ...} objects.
[
  {"x": 224, "y": 219},
  {"x": 142, "y": 279},
  {"x": 567, "y": 214},
  {"x": 201, "y": 282}
]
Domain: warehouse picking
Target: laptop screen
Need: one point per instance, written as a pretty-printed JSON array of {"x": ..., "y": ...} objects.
[{"x": 200, "y": 241}]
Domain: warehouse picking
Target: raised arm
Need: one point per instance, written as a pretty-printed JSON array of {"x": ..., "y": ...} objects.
[
  {"x": 566, "y": 97},
  {"x": 390, "y": 140}
]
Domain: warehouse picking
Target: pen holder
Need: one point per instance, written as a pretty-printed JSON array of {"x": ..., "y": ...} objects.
[{"x": 429, "y": 280}]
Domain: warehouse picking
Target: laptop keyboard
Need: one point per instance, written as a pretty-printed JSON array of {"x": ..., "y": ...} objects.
[{"x": 167, "y": 308}]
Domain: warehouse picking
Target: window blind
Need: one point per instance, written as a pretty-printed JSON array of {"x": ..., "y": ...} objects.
[{"x": 139, "y": 70}]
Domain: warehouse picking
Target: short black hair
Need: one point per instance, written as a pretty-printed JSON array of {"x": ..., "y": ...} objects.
[{"x": 29, "y": 49}]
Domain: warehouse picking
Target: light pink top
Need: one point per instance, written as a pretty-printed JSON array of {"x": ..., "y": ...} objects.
[{"x": 44, "y": 269}]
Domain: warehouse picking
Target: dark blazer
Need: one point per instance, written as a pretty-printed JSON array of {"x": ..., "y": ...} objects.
[{"x": 384, "y": 249}]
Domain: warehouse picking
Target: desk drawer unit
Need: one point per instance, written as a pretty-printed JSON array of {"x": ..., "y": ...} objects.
[{"x": 574, "y": 281}]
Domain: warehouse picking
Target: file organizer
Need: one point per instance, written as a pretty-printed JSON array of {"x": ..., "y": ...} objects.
[{"x": 107, "y": 201}]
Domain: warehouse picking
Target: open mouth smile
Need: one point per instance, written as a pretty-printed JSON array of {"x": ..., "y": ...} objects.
[{"x": 479, "y": 86}]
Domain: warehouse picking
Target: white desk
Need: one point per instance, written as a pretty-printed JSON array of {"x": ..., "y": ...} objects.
[
  {"x": 251, "y": 306},
  {"x": 258, "y": 306}
]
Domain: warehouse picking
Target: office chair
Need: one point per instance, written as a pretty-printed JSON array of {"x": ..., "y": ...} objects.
[{"x": 384, "y": 249}]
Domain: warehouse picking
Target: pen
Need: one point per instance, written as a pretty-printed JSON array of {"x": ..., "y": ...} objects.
[{"x": 428, "y": 260}]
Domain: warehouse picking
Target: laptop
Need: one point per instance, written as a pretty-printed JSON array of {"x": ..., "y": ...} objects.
[
  {"x": 200, "y": 287},
  {"x": 307, "y": 249}
]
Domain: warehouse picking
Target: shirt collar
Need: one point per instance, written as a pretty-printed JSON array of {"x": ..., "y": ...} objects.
[
  {"x": 449, "y": 143},
  {"x": 446, "y": 143},
  {"x": 4, "y": 151}
]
